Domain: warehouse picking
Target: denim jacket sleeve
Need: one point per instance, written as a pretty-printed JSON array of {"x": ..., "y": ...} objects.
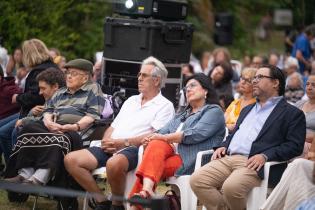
[{"x": 210, "y": 122}]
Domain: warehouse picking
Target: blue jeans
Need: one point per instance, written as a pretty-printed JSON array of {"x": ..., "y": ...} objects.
[{"x": 6, "y": 128}]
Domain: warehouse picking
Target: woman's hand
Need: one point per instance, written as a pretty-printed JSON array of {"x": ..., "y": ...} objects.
[
  {"x": 158, "y": 136},
  {"x": 145, "y": 141}
]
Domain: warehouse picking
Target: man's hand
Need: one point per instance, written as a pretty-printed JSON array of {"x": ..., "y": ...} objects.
[
  {"x": 256, "y": 162},
  {"x": 68, "y": 127},
  {"x": 112, "y": 145},
  {"x": 37, "y": 110},
  {"x": 18, "y": 123},
  {"x": 218, "y": 153},
  {"x": 53, "y": 127}
]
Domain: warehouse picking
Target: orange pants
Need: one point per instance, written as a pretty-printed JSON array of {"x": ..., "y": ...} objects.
[{"x": 159, "y": 162}]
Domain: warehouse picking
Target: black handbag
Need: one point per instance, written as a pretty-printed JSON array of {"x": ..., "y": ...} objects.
[{"x": 173, "y": 200}]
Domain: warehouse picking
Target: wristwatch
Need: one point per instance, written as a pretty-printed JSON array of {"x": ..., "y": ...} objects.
[{"x": 126, "y": 143}]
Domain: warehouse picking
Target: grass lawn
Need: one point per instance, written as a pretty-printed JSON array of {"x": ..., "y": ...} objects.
[{"x": 45, "y": 203}]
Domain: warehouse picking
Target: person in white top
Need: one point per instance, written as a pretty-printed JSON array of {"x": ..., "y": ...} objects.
[{"x": 139, "y": 116}]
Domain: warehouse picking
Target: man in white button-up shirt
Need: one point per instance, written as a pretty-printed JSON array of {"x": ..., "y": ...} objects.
[{"x": 139, "y": 116}]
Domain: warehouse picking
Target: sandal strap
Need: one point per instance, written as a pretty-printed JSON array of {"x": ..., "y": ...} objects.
[{"x": 145, "y": 194}]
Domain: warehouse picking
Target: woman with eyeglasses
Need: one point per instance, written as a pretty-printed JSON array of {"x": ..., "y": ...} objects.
[
  {"x": 173, "y": 149},
  {"x": 245, "y": 88}
]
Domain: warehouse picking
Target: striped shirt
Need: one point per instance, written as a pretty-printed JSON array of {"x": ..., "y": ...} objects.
[{"x": 70, "y": 108}]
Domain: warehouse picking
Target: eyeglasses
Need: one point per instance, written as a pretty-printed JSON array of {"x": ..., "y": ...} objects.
[
  {"x": 247, "y": 80},
  {"x": 190, "y": 86},
  {"x": 73, "y": 73},
  {"x": 144, "y": 75},
  {"x": 258, "y": 77}
]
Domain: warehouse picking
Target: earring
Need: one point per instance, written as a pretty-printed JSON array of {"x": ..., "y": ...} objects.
[{"x": 206, "y": 95}]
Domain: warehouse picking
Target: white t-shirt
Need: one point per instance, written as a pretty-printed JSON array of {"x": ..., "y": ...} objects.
[{"x": 135, "y": 120}]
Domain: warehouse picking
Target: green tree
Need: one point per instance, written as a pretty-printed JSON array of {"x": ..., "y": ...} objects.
[{"x": 75, "y": 27}]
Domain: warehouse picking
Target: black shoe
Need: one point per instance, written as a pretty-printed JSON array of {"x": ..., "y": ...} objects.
[
  {"x": 117, "y": 207},
  {"x": 68, "y": 203},
  {"x": 105, "y": 205}
]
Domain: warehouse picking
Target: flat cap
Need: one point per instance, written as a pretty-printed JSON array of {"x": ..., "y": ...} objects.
[{"x": 81, "y": 64}]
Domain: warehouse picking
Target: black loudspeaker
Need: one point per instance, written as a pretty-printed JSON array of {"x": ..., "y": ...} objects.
[
  {"x": 223, "y": 31},
  {"x": 137, "y": 39},
  {"x": 121, "y": 75},
  {"x": 160, "y": 9}
]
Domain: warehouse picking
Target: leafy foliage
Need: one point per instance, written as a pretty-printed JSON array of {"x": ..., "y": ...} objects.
[{"x": 75, "y": 27}]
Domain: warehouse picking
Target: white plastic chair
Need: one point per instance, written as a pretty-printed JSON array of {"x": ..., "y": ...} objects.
[
  {"x": 131, "y": 178},
  {"x": 188, "y": 198},
  {"x": 258, "y": 195}
]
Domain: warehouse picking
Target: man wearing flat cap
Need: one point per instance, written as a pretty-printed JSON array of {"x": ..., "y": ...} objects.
[{"x": 42, "y": 144}]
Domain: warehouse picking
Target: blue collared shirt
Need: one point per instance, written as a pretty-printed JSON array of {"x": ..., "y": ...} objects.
[{"x": 249, "y": 129}]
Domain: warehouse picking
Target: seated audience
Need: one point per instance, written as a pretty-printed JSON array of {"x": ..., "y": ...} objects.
[
  {"x": 173, "y": 149},
  {"x": 296, "y": 185},
  {"x": 187, "y": 70},
  {"x": 221, "y": 76},
  {"x": 313, "y": 67},
  {"x": 269, "y": 130},
  {"x": 8, "y": 112},
  {"x": 49, "y": 81},
  {"x": 97, "y": 72},
  {"x": 308, "y": 107},
  {"x": 247, "y": 60},
  {"x": 257, "y": 61},
  {"x": 15, "y": 62},
  {"x": 203, "y": 66},
  {"x": 20, "y": 77},
  {"x": 41, "y": 145},
  {"x": 291, "y": 65},
  {"x": 294, "y": 88},
  {"x": 246, "y": 91},
  {"x": 36, "y": 58},
  {"x": 139, "y": 116},
  {"x": 7, "y": 89},
  {"x": 273, "y": 59}
]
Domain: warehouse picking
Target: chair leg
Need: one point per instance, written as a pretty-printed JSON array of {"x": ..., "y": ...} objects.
[
  {"x": 85, "y": 206},
  {"x": 35, "y": 202}
]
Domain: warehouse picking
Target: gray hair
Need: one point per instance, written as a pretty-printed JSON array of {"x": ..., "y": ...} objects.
[
  {"x": 295, "y": 74},
  {"x": 159, "y": 69}
]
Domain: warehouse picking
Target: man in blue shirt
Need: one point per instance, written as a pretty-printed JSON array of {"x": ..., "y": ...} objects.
[
  {"x": 302, "y": 50},
  {"x": 269, "y": 130}
]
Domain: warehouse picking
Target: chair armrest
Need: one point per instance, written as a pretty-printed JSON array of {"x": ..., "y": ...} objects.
[
  {"x": 199, "y": 157},
  {"x": 268, "y": 165},
  {"x": 102, "y": 122}
]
